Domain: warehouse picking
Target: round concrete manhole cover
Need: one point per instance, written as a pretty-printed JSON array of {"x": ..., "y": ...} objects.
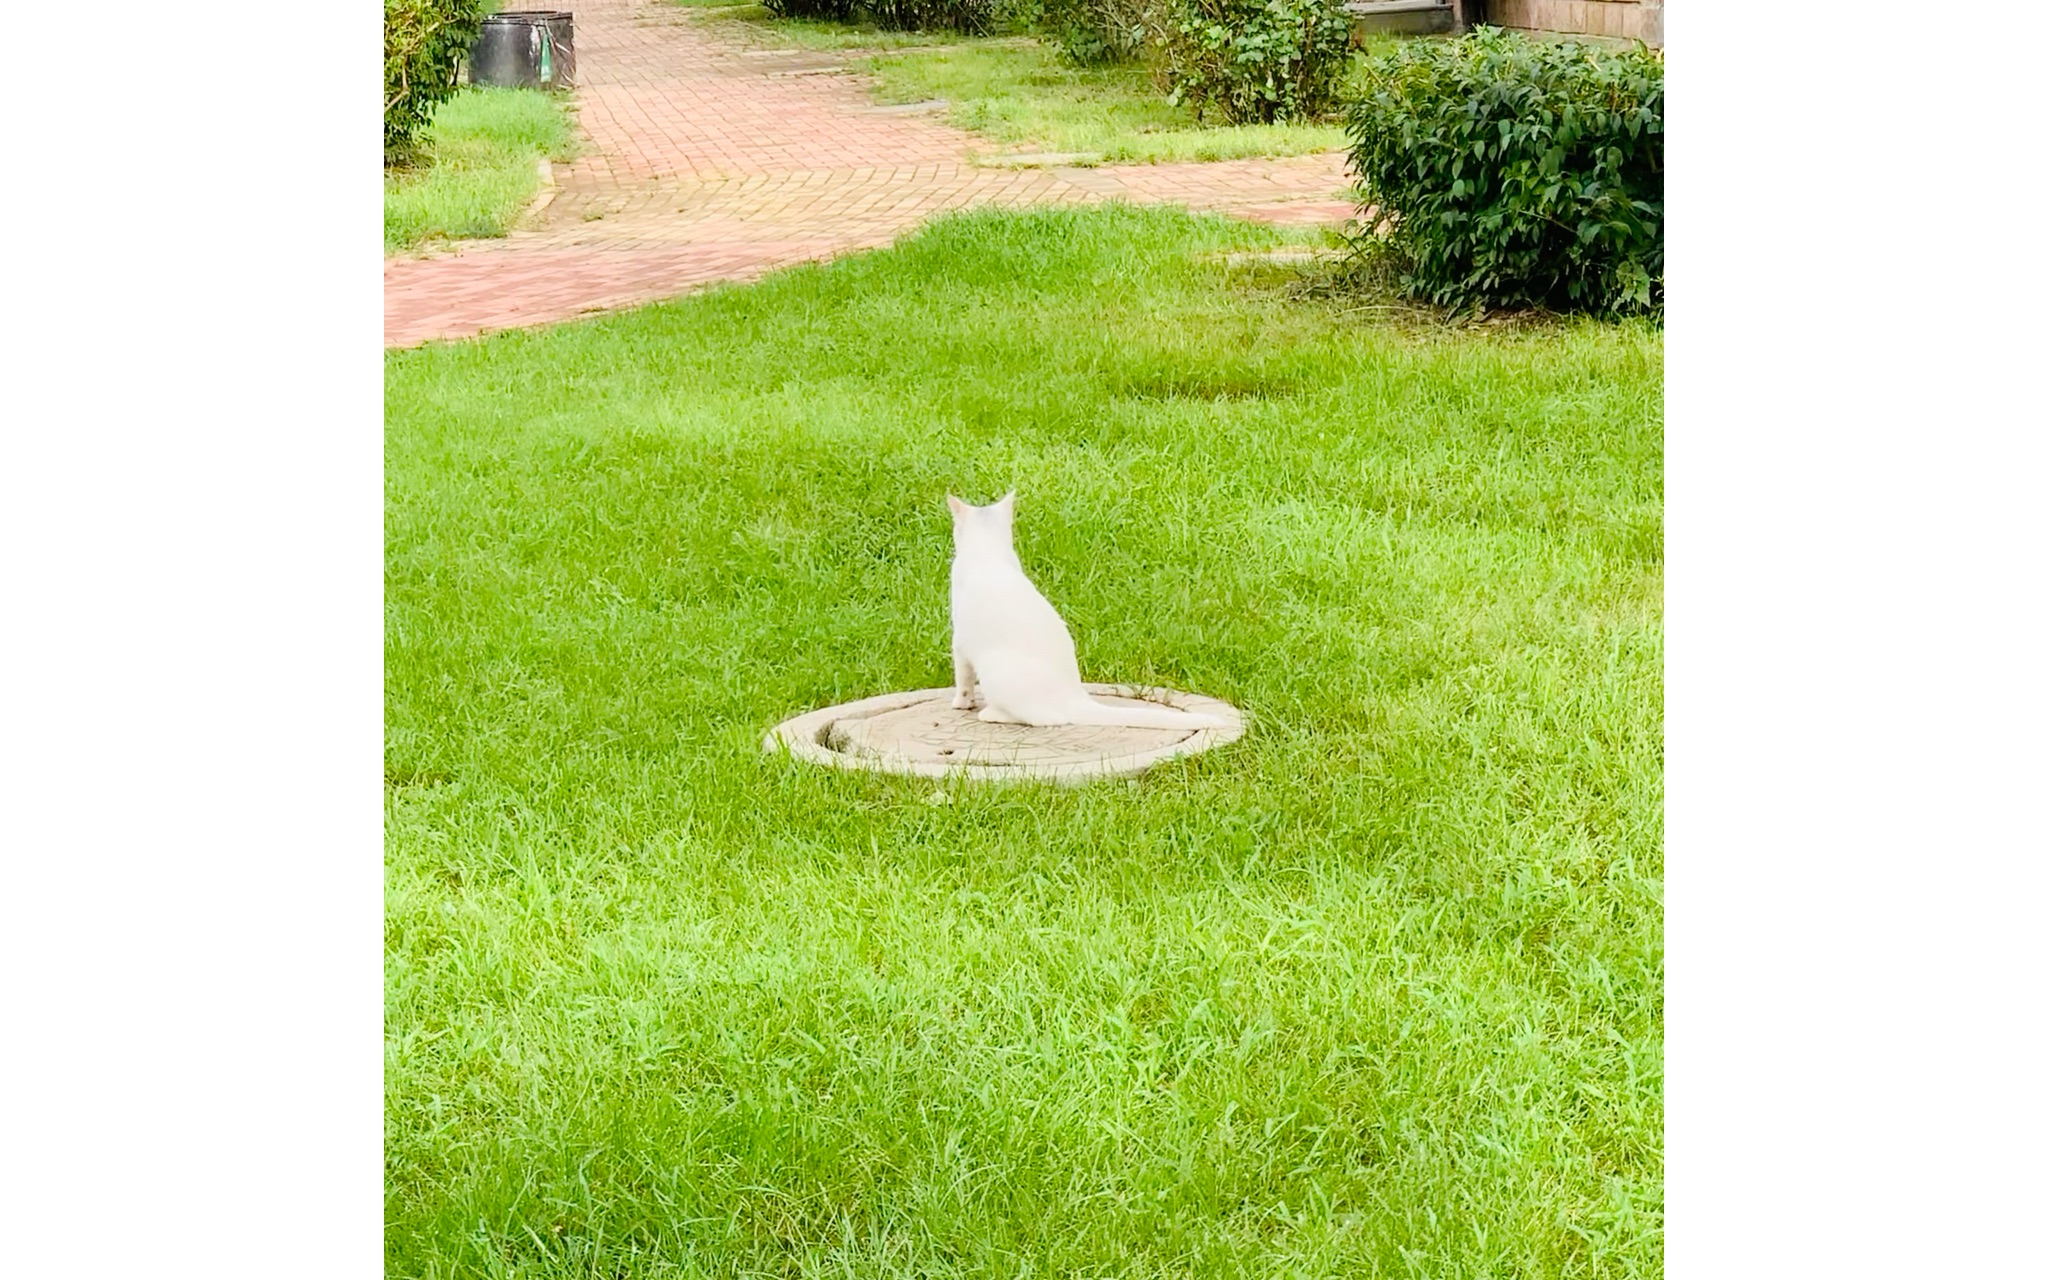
[{"x": 920, "y": 733}]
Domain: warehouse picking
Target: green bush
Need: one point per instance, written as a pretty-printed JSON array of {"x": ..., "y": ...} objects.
[
  {"x": 1517, "y": 172},
  {"x": 817, "y": 10},
  {"x": 1255, "y": 61},
  {"x": 1092, "y": 33},
  {"x": 973, "y": 17},
  {"x": 424, "y": 44}
]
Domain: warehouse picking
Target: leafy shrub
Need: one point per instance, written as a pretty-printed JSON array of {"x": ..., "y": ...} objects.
[
  {"x": 1095, "y": 32},
  {"x": 1255, "y": 60},
  {"x": 1517, "y": 172},
  {"x": 974, "y": 17},
  {"x": 424, "y": 43},
  {"x": 817, "y": 10}
]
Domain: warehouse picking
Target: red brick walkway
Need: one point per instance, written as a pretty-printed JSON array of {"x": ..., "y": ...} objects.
[{"x": 705, "y": 160}]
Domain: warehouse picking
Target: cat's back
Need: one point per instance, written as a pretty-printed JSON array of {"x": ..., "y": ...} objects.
[{"x": 1001, "y": 596}]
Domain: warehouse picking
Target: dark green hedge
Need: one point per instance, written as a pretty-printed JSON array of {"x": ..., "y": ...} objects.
[
  {"x": 1518, "y": 172},
  {"x": 1255, "y": 61},
  {"x": 974, "y": 17},
  {"x": 1093, "y": 33}
]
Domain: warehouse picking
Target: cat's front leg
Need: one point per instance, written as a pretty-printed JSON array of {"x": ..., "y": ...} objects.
[{"x": 963, "y": 684}]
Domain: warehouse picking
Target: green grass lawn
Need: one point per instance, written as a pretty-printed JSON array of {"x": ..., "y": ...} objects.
[
  {"x": 1375, "y": 991},
  {"x": 1018, "y": 93},
  {"x": 481, "y": 172}
]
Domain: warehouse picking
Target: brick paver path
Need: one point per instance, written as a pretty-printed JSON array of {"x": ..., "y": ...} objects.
[{"x": 706, "y": 160}]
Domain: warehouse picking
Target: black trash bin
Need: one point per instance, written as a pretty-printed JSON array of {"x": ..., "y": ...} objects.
[
  {"x": 530, "y": 49},
  {"x": 562, "y": 30}
]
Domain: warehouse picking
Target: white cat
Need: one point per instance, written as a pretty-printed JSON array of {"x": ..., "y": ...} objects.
[{"x": 1010, "y": 640}]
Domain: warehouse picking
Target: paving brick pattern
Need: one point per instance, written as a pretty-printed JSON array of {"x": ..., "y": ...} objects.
[{"x": 706, "y": 160}]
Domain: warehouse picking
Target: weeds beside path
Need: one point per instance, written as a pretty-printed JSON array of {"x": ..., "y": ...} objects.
[
  {"x": 708, "y": 160},
  {"x": 483, "y": 155}
]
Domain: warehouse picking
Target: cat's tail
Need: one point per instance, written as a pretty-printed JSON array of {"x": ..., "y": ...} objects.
[{"x": 1089, "y": 711}]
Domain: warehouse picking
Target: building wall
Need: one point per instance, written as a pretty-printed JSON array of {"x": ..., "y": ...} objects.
[{"x": 1615, "y": 19}]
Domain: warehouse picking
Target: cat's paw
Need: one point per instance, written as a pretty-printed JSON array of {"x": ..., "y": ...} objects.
[{"x": 965, "y": 702}]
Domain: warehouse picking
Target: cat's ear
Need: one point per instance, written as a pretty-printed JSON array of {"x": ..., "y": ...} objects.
[
  {"x": 959, "y": 508},
  {"x": 1008, "y": 502}
]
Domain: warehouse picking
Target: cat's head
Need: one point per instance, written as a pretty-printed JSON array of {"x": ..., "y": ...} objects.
[{"x": 983, "y": 526}]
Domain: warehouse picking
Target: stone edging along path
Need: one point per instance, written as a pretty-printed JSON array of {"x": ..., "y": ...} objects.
[{"x": 704, "y": 160}]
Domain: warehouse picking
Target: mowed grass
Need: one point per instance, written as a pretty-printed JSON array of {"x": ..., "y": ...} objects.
[
  {"x": 1021, "y": 95},
  {"x": 481, "y": 166},
  {"x": 1375, "y": 991},
  {"x": 1018, "y": 93}
]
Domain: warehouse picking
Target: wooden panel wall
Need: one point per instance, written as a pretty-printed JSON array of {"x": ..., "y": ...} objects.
[{"x": 1616, "y": 19}]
